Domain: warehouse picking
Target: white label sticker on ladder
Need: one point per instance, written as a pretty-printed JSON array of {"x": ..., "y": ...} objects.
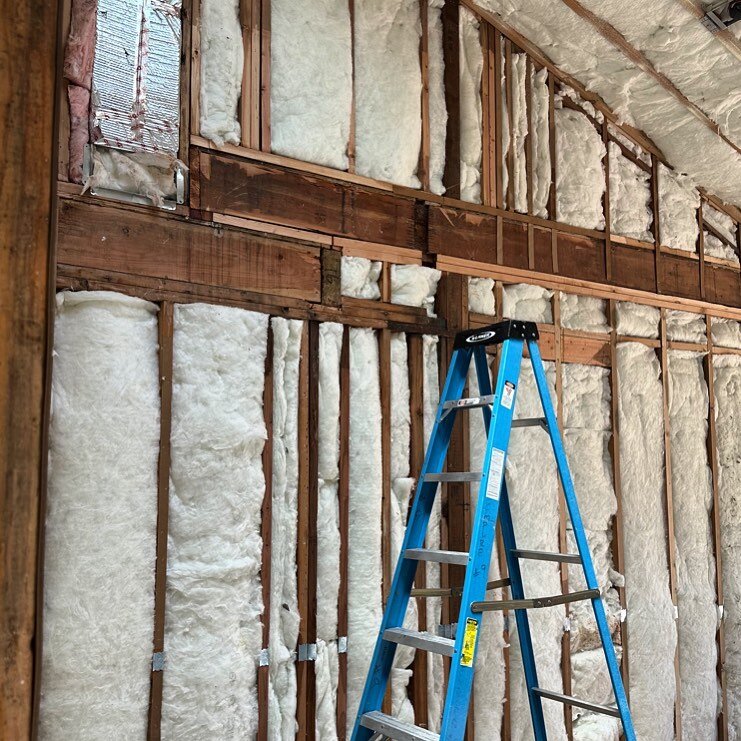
[
  {"x": 508, "y": 394},
  {"x": 496, "y": 471}
]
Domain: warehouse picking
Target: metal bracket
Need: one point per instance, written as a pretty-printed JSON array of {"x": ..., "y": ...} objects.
[
  {"x": 306, "y": 652},
  {"x": 158, "y": 661},
  {"x": 264, "y": 657},
  {"x": 342, "y": 645}
]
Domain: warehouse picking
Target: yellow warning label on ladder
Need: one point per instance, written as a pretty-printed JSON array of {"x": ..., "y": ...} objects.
[{"x": 469, "y": 642}]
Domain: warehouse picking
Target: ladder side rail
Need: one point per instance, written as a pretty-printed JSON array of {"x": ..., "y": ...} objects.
[
  {"x": 460, "y": 679},
  {"x": 483, "y": 378},
  {"x": 414, "y": 537},
  {"x": 581, "y": 539}
]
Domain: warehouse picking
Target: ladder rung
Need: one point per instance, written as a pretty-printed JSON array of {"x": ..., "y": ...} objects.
[
  {"x": 425, "y": 641},
  {"x": 459, "y": 558},
  {"x": 536, "y": 602},
  {"x": 531, "y": 422},
  {"x": 456, "y": 592},
  {"x": 575, "y": 702},
  {"x": 459, "y": 476},
  {"x": 470, "y": 403},
  {"x": 548, "y": 556},
  {"x": 395, "y": 728}
]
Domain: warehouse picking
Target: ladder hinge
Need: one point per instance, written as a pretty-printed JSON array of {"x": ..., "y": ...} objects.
[
  {"x": 158, "y": 661},
  {"x": 307, "y": 652},
  {"x": 342, "y": 645},
  {"x": 264, "y": 657}
]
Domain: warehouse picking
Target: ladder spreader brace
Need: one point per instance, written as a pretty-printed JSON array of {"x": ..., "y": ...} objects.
[{"x": 493, "y": 503}]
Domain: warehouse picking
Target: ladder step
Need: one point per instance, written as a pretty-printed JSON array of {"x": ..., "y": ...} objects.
[
  {"x": 548, "y": 556},
  {"x": 459, "y": 558},
  {"x": 396, "y": 729},
  {"x": 536, "y": 602},
  {"x": 457, "y": 591},
  {"x": 531, "y": 422},
  {"x": 575, "y": 702},
  {"x": 459, "y": 476},
  {"x": 415, "y": 639}
]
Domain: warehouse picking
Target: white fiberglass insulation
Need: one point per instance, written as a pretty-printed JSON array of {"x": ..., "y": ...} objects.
[
  {"x": 695, "y": 563},
  {"x": 311, "y": 80},
  {"x": 527, "y": 302},
  {"x": 471, "y": 67},
  {"x": 481, "y": 296},
  {"x": 541, "y": 143},
  {"x": 630, "y": 198},
  {"x": 328, "y": 529},
  {"x": 284, "y": 614},
  {"x": 359, "y": 277},
  {"x": 430, "y": 400},
  {"x": 388, "y": 85},
  {"x": 414, "y": 285},
  {"x": 532, "y": 484},
  {"x": 489, "y": 678},
  {"x": 652, "y": 633},
  {"x": 727, "y": 369},
  {"x": 726, "y": 226},
  {"x": 213, "y": 632},
  {"x": 678, "y": 204},
  {"x": 726, "y": 332},
  {"x": 101, "y": 518},
  {"x": 222, "y": 62},
  {"x": 637, "y": 320},
  {"x": 580, "y": 176},
  {"x": 364, "y": 536},
  {"x": 401, "y": 489},
  {"x": 436, "y": 85},
  {"x": 519, "y": 131},
  {"x": 685, "y": 326},
  {"x": 591, "y": 680},
  {"x": 577, "y": 47},
  {"x": 584, "y": 313}
]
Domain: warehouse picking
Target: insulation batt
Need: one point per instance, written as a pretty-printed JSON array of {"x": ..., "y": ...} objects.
[
  {"x": 364, "y": 535},
  {"x": 590, "y": 680},
  {"x": 222, "y": 62},
  {"x": 388, "y": 85},
  {"x": 541, "y": 143},
  {"x": 532, "y": 485},
  {"x": 652, "y": 633},
  {"x": 576, "y": 47},
  {"x": 284, "y": 614},
  {"x": 481, "y": 296},
  {"x": 401, "y": 487},
  {"x": 727, "y": 370},
  {"x": 436, "y": 84},
  {"x": 430, "y": 400},
  {"x": 580, "y": 176},
  {"x": 630, "y": 198},
  {"x": 684, "y": 326},
  {"x": 471, "y": 67},
  {"x": 726, "y": 332},
  {"x": 678, "y": 204},
  {"x": 528, "y": 303},
  {"x": 629, "y": 144},
  {"x": 489, "y": 677},
  {"x": 695, "y": 563},
  {"x": 101, "y": 518},
  {"x": 584, "y": 313},
  {"x": 414, "y": 285},
  {"x": 726, "y": 226},
  {"x": 359, "y": 277},
  {"x": 637, "y": 320},
  {"x": 213, "y": 632},
  {"x": 328, "y": 529},
  {"x": 311, "y": 80},
  {"x": 519, "y": 131}
]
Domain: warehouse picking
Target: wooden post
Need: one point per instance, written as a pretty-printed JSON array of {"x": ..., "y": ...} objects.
[
  {"x": 186, "y": 90},
  {"x": 486, "y": 116},
  {"x": 713, "y": 459},
  {"x": 263, "y": 122},
  {"x": 656, "y": 221},
  {"x": 351, "y": 135},
  {"x": 552, "y": 145},
  {"x": 607, "y": 206},
  {"x": 165, "y": 329},
  {"x": 249, "y": 107},
  {"x": 424, "y": 65},
  {"x": 701, "y": 249},
  {"x": 510, "y": 118},
  {"x": 451, "y": 57},
  {"x": 529, "y": 159},
  {"x": 195, "y": 67},
  {"x": 498, "y": 113},
  {"x": 30, "y": 73}
]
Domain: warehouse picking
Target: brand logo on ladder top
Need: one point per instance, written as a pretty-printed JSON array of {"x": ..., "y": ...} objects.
[{"x": 480, "y": 336}]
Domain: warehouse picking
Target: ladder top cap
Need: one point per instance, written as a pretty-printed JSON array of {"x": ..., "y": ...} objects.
[{"x": 494, "y": 334}]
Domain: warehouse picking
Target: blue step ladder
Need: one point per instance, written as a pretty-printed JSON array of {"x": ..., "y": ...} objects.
[{"x": 493, "y": 502}]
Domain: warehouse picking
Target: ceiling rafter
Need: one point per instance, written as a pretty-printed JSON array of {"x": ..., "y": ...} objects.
[{"x": 732, "y": 44}]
